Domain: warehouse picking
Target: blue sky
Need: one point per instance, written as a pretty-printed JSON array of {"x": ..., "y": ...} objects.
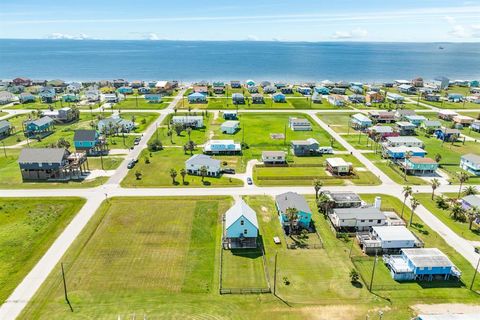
[{"x": 299, "y": 20}]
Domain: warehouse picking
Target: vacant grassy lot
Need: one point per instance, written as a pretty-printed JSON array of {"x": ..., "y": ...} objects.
[
  {"x": 157, "y": 172},
  {"x": 27, "y": 229},
  {"x": 243, "y": 268},
  {"x": 109, "y": 163},
  {"x": 339, "y": 122},
  {"x": 461, "y": 228},
  {"x": 141, "y": 104}
]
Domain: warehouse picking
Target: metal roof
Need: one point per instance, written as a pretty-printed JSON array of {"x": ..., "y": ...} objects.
[
  {"x": 202, "y": 160},
  {"x": 41, "y": 155},
  {"x": 427, "y": 257},
  {"x": 472, "y": 200},
  {"x": 394, "y": 233},
  {"x": 292, "y": 200},
  {"x": 470, "y": 157},
  {"x": 367, "y": 213},
  {"x": 239, "y": 209},
  {"x": 85, "y": 135}
]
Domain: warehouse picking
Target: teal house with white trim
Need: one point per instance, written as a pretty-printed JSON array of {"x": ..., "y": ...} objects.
[
  {"x": 241, "y": 227},
  {"x": 293, "y": 200}
]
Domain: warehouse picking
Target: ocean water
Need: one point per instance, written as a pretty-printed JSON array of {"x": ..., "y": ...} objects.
[{"x": 236, "y": 60}]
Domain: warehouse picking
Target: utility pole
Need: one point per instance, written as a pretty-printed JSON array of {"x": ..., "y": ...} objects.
[
  {"x": 275, "y": 275},
  {"x": 477, "y": 250},
  {"x": 65, "y": 288},
  {"x": 373, "y": 273}
]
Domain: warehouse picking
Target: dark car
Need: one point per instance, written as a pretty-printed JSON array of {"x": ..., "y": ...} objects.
[
  {"x": 131, "y": 164},
  {"x": 136, "y": 141},
  {"x": 249, "y": 181},
  {"x": 229, "y": 170}
]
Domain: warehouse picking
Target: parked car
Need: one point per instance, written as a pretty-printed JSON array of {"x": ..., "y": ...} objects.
[
  {"x": 325, "y": 150},
  {"x": 131, "y": 164},
  {"x": 229, "y": 170},
  {"x": 249, "y": 181},
  {"x": 136, "y": 141}
]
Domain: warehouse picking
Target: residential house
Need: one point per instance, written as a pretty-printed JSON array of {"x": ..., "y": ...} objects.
[
  {"x": 405, "y": 128},
  {"x": 238, "y": 98},
  {"x": 292, "y": 200},
  {"x": 358, "y": 90},
  {"x": 431, "y": 97},
  {"x": 22, "y": 82},
  {"x": 241, "y": 227},
  {"x": 396, "y": 98},
  {"x": 109, "y": 98},
  {"x": 382, "y": 132},
  {"x": 136, "y": 84},
  {"x": 447, "y": 115},
  {"x": 26, "y": 97},
  {"x": 402, "y": 114},
  {"x": 447, "y": 134},
  {"x": 374, "y": 97},
  {"x": 336, "y": 100},
  {"x": 327, "y": 83},
  {"x": 299, "y": 124},
  {"x": 474, "y": 84},
  {"x": 317, "y": 97},
  {"x": 401, "y": 82},
  {"x": 286, "y": 90},
  {"x": 306, "y": 91},
  {"x": 469, "y": 162},
  {"x": 90, "y": 142},
  {"x": 222, "y": 147},
  {"x": 92, "y": 95},
  {"x": 74, "y": 87},
  {"x": 431, "y": 125},
  {"x": 51, "y": 164},
  {"x": 153, "y": 98},
  {"x": 360, "y": 121},
  {"x": 230, "y": 126},
  {"x": 343, "y": 84},
  {"x": 356, "y": 98},
  {"x": 407, "y": 89},
  {"x": 280, "y": 85},
  {"x": 6, "y": 97},
  {"x": 309, "y": 147},
  {"x": 253, "y": 89},
  {"x": 404, "y": 141},
  {"x": 63, "y": 115},
  {"x": 235, "y": 84},
  {"x": 5, "y": 129},
  {"x": 322, "y": 90},
  {"x": 195, "y": 122},
  {"x": 401, "y": 152},
  {"x": 460, "y": 83},
  {"x": 269, "y": 89},
  {"x": 474, "y": 99},
  {"x": 416, "y": 120},
  {"x": 250, "y": 83},
  {"x": 344, "y": 199},
  {"x": 70, "y": 97},
  {"x": 455, "y": 97},
  {"x": 16, "y": 89},
  {"x": 257, "y": 98},
  {"x": 382, "y": 116},
  {"x": 470, "y": 201},
  {"x": 117, "y": 83},
  {"x": 338, "y": 166},
  {"x": 274, "y": 157},
  {"x": 195, "y": 163},
  {"x": 357, "y": 219},
  {"x": 264, "y": 84},
  {"x": 441, "y": 82},
  {"x": 279, "y": 97},
  {"x": 39, "y": 127},
  {"x": 164, "y": 85},
  {"x": 336, "y": 90},
  {"x": 47, "y": 94},
  {"x": 125, "y": 90},
  {"x": 424, "y": 264},
  {"x": 115, "y": 124},
  {"x": 230, "y": 115},
  {"x": 417, "y": 82},
  {"x": 387, "y": 239},
  {"x": 419, "y": 165},
  {"x": 475, "y": 126},
  {"x": 200, "y": 89},
  {"x": 144, "y": 90},
  {"x": 464, "y": 121},
  {"x": 197, "y": 97}
]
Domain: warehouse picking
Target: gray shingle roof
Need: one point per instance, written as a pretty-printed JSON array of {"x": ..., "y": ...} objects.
[
  {"x": 472, "y": 200},
  {"x": 41, "y": 121},
  {"x": 4, "y": 124},
  {"x": 41, "y": 155},
  {"x": 292, "y": 200},
  {"x": 84, "y": 135},
  {"x": 202, "y": 160}
]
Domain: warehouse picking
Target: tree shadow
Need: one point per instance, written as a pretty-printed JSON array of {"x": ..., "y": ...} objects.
[
  {"x": 357, "y": 284},
  {"x": 186, "y": 183},
  {"x": 207, "y": 183}
]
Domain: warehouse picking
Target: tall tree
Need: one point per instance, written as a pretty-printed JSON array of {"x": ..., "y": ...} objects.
[
  {"x": 323, "y": 203},
  {"x": 203, "y": 172},
  {"x": 462, "y": 177},
  {"x": 407, "y": 192},
  {"x": 414, "y": 203},
  {"x": 472, "y": 215},
  {"x": 183, "y": 173},
  {"x": 292, "y": 216},
  {"x": 317, "y": 185},
  {"x": 435, "y": 185},
  {"x": 458, "y": 212},
  {"x": 173, "y": 175}
]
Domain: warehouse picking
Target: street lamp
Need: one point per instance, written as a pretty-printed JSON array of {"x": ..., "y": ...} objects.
[{"x": 477, "y": 250}]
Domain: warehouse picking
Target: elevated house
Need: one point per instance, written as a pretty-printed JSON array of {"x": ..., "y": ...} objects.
[
  {"x": 423, "y": 264},
  {"x": 382, "y": 116},
  {"x": 51, "y": 164},
  {"x": 299, "y": 124},
  {"x": 358, "y": 90},
  {"x": 26, "y": 97},
  {"x": 250, "y": 83},
  {"x": 235, "y": 84},
  {"x": 463, "y": 121},
  {"x": 253, "y": 89},
  {"x": 92, "y": 95},
  {"x": 279, "y": 97},
  {"x": 447, "y": 115},
  {"x": 356, "y": 98},
  {"x": 280, "y": 85},
  {"x": 327, "y": 83},
  {"x": 405, "y": 128},
  {"x": 402, "y": 114},
  {"x": 455, "y": 97},
  {"x": 292, "y": 200},
  {"x": 165, "y": 85},
  {"x": 336, "y": 90},
  {"x": 230, "y": 115},
  {"x": 336, "y": 100},
  {"x": 344, "y": 199},
  {"x": 309, "y": 147},
  {"x": 418, "y": 165},
  {"x": 6, "y": 97},
  {"x": 109, "y": 97},
  {"x": 441, "y": 83},
  {"x": 402, "y": 152},
  {"x": 117, "y": 83},
  {"x": 357, "y": 219},
  {"x": 374, "y": 97},
  {"x": 238, "y": 98},
  {"x": 402, "y": 82},
  {"x": 5, "y": 129},
  {"x": 203, "y": 89},
  {"x": 306, "y": 91},
  {"x": 287, "y": 90},
  {"x": 195, "y": 163},
  {"x": 406, "y": 89},
  {"x": 387, "y": 239},
  {"x": 197, "y": 97},
  {"x": 265, "y": 83},
  {"x": 70, "y": 97},
  {"x": 218, "y": 87},
  {"x": 188, "y": 121},
  {"x": 115, "y": 124},
  {"x": 316, "y": 97},
  {"x": 136, "y": 84},
  {"x": 360, "y": 121},
  {"x": 62, "y": 115},
  {"x": 230, "y": 126},
  {"x": 257, "y": 98},
  {"x": 431, "y": 97},
  {"x": 417, "y": 82},
  {"x": 416, "y": 120},
  {"x": 144, "y": 90},
  {"x": 468, "y": 162},
  {"x": 22, "y": 82},
  {"x": 382, "y": 132},
  {"x": 470, "y": 201},
  {"x": 403, "y": 141},
  {"x": 475, "y": 126},
  {"x": 241, "y": 227},
  {"x": 338, "y": 166},
  {"x": 90, "y": 142},
  {"x": 74, "y": 87},
  {"x": 269, "y": 89},
  {"x": 153, "y": 98},
  {"x": 395, "y": 97},
  {"x": 447, "y": 134},
  {"x": 228, "y": 147},
  {"x": 41, "y": 127},
  {"x": 322, "y": 90},
  {"x": 431, "y": 125},
  {"x": 274, "y": 157}
]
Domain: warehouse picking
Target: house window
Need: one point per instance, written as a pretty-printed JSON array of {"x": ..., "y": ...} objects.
[
  {"x": 245, "y": 231},
  {"x": 242, "y": 222},
  {"x": 362, "y": 220},
  {"x": 379, "y": 221},
  {"x": 370, "y": 220}
]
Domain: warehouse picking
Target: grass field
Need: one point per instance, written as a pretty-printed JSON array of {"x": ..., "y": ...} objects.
[
  {"x": 109, "y": 162},
  {"x": 393, "y": 171},
  {"x": 461, "y": 228},
  {"x": 243, "y": 268},
  {"x": 141, "y": 104},
  {"x": 27, "y": 229},
  {"x": 339, "y": 122}
]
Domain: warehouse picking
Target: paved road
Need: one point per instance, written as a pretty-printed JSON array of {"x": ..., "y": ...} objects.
[{"x": 95, "y": 196}]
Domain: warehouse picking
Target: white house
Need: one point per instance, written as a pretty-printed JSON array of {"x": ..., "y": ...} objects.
[
  {"x": 109, "y": 97},
  {"x": 336, "y": 100},
  {"x": 358, "y": 219},
  {"x": 92, "y": 95},
  {"x": 230, "y": 126},
  {"x": 471, "y": 163},
  {"x": 6, "y": 97},
  {"x": 195, "y": 163},
  {"x": 189, "y": 121},
  {"x": 274, "y": 157},
  {"x": 299, "y": 124},
  {"x": 74, "y": 87},
  {"x": 395, "y": 97},
  {"x": 407, "y": 141},
  {"x": 222, "y": 147},
  {"x": 387, "y": 239},
  {"x": 115, "y": 124},
  {"x": 241, "y": 227}
]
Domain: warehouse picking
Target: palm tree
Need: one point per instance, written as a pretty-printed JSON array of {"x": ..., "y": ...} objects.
[
  {"x": 191, "y": 146},
  {"x": 323, "y": 202},
  {"x": 470, "y": 191},
  {"x": 457, "y": 213},
  {"x": 183, "y": 173},
  {"x": 438, "y": 158},
  {"x": 173, "y": 175},
  {"x": 189, "y": 132},
  {"x": 462, "y": 177},
  {"x": 317, "y": 184},
  {"x": 414, "y": 203},
  {"x": 407, "y": 192},
  {"x": 435, "y": 185},
  {"x": 408, "y": 155},
  {"x": 203, "y": 172},
  {"x": 472, "y": 214},
  {"x": 292, "y": 216},
  {"x": 170, "y": 134}
]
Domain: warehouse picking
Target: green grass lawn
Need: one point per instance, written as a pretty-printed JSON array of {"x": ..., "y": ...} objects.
[
  {"x": 393, "y": 171},
  {"x": 140, "y": 104},
  {"x": 109, "y": 162},
  {"x": 27, "y": 229},
  {"x": 157, "y": 172},
  {"x": 2, "y": 114},
  {"x": 243, "y": 268},
  {"x": 339, "y": 122},
  {"x": 461, "y": 228}
]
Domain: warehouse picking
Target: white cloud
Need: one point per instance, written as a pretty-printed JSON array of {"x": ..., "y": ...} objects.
[
  {"x": 64, "y": 36},
  {"x": 252, "y": 37},
  {"x": 462, "y": 31},
  {"x": 353, "y": 34},
  {"x": 153, "y": 36}
]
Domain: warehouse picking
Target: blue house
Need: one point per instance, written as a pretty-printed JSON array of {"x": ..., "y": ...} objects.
[
  {"x": 153, "y": 98},
  {"x": 70, "y": 97},
  {"x": 230, "y": 127},
  {"x": 89, "y": 142},
  {"x": 241, "y": 227},
  {"x": 292, "y": 200},
  {"x": 39, "y": 127},
  {"x": 230, "y": 115},
  {"x": 306, "y": 91},
  {"x": 125, "y": 90},
  {"x": 474, "y": 84},
  {"x": 47, "y": 94},
  {"x": 416, "y": 120},
  {"x": 279, "y": 97},
  {"x": 144, "y": 90},
  {"x": 322, "y": 90},
  {"x": 356, "y": 89},
  {"x": 447, "y": 134},
  {"x": 361, "y": 121},
  {"x": 419, "y": 165},
  {"x": 401, "y": 152},
  {"x": 250, "y": 83},
  {"x": 197, "y": 97},
  {"x": 455, "y": 97},
  {"x": 423, "y": 264},
  {"x": 26, "y": 97}
]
